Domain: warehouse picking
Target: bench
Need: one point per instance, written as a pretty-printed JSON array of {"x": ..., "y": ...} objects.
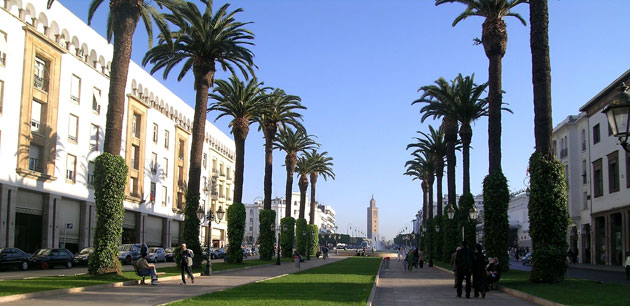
[{"x": 135, "y": 269}]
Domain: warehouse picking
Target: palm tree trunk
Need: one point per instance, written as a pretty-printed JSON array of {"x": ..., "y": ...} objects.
[
  {"x": 240, "y": 129},
  {"x": 303, "y": 184},
  {"x": 424, "y": 202},
  {"x": 430, "y": 187},
  {"x": 311, "y": 219},
  {"x": 289, "y": 162},
  {"x": 465, "y": 133},
  {"x": 125, "y": 16},
  {"x": 270, "y": 133},
  {"x": 439, "y": 177},
  {"x": 450, "y": 137},
  {"x": 541, "y": 76}
]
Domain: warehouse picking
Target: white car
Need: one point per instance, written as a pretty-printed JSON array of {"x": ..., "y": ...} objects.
[{"x": 156, "y": 255}]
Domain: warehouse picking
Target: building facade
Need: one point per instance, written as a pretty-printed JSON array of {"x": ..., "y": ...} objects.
[
  {"x": 54, "y": 80},
  {"x": 372, "y": 220},
  {"x": 518, "y": 218}
]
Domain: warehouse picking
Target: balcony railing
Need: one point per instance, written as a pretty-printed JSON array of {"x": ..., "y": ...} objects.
[{"x": 39, "y": 83}]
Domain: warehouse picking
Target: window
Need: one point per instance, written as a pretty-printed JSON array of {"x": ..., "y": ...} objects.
[
  {"x": 165, "y": 139},
  {"x": 585, "y": 201},
  {"x": 73, "y": 128},
  {"x": 204, "y": 161},
  {"x": 1, "y": 94},
  {"x": 628, "y": 169},
  {"x": 165, "y": 166},
  {"x": 596, "y": 136},
  {"x": 40, "y": 80},
  {"x": 554, "y": 150},
  {"x": 135, "y": 125},
  {"x": 181, "y": 149},
  {"x": 153, "y": 191},
  {"x": 584, "y": 171},
  {"x": 75, "y": 88},
  {"x": 180, "y": 174},
  {"x": 154, "y": 164},
  {"x": 96, "y": 100},
  {"x": 3, "y": 49},
  {"x": 155, "y": 133},
  {"x": 94, "y": 137},
  {"x": 135, "y": 157},
  {"x": 90, "y": 177},
  {"x": 34, "y": 160},
  {"x": 583, "y": 140},
  {"x": 133, "y": 186},
  {"x": 609, "y": 130},
  {"x": 71, "y": 167},
  {"x": 36, "y": 116},
  {"x": 566, "y": 175},
  {"x": 598, "y": 184},
  {"x": 613, "y": 172},
  {"x": 164, "y": 195}
]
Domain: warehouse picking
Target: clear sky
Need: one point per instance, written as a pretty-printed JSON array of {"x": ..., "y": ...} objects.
[{"x": 357, "y": 64}]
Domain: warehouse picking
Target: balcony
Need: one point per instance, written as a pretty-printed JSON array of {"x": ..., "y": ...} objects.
[
  {"x": 40, "y": 83},
  {"x": 214, "y": 195}
]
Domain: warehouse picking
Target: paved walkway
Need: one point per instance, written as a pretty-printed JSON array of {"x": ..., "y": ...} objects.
[
  {"x": 429, "y": 286},
  {"x": 168, "y": 291}
]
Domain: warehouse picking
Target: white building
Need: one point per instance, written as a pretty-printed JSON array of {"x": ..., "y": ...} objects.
[
  {"x": 518, "y": 218},
  {"x": 54, "y": 77}
]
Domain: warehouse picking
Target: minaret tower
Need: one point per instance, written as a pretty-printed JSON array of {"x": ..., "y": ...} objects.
[{"x": 372, "y": 220}]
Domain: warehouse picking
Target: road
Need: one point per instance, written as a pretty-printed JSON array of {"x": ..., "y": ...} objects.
[{"x": 603, "y": 276}]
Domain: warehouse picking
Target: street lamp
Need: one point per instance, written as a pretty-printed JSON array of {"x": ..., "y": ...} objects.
[
  {"x": 209, "y": 218},
  {"x": 472, "y": 214},
  {"x": 618, "y": 113},
  {"x": 284, "y": 229}
]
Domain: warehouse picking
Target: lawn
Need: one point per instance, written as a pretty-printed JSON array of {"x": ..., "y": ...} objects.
[
  {"x": 347, "y": 282},
  {"x": 20, "y": 286}
]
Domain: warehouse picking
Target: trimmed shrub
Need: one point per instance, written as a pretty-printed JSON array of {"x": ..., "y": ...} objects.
[
  {"x": 266, "y": 238},
  {"x": 466, "y": 202},
  {"x": 177, "y": 255},
  {"x": 300, "y": 236},
  {"x": 235, "y": 231},
  {"x": 191, "y": 226},
  {"x": 287, "y": 238},
  {"x": 452, "y": 237},
  {"x": 496, "y": 198},
  {"x": 314, "y": 243},
  {"x": 548, "y": 219},
  {"x": 110, "y": 179},
  {"x": 438, "y": 243}
]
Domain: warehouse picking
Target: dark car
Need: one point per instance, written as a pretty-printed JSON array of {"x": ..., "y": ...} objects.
[
  {"x": 217, "y": 254},
  {"x": 14, "y": 257},
  {"x": 48, "y": 258},
  {"x": 169, "y": 254},
  {"x": 83, "y": 257}
]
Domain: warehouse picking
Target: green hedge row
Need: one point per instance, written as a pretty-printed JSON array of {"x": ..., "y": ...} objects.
[
  {"x": 300, "y": 236},
  {"x": 191, "y": 226},
  {"x": 287, "y": 238},
  {"x": 548, "y": 219},
  {"x": 466, "y": 202},
  {"x": 496, "y": 198},
  {"x": 266, "y": 237},
  {"x": 451, "y": 237},
  {"x": 314, "y": 243},
  {"x": 110, "y": 179},
  {"x": 236, "y": 230}
]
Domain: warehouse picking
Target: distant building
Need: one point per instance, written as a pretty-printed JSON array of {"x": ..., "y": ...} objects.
[
  {"x": 518, "y": 218},
  {"x": 372, "y": 220}
]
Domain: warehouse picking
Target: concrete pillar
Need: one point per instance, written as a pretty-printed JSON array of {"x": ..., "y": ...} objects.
[
  {"x": 50, "y": 221},
  {"x": 8, "y": 196},
  {"x": 84, "y": 225},
  {"x": 92, "y": 226},
  {"x": 140, "y": 217},
  {"x": 166, "y": 232}
]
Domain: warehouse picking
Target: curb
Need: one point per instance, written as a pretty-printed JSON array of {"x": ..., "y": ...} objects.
[
  {"x": 516, "y": 293},
  {"x": 376, "y": 279},
  {"x": 24, "y": 296}
]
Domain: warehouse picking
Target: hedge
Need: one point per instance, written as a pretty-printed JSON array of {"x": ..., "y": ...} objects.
[
  {"x": 314, "y": 243},
  {"x": 466, "y": 202},
  {"x": 236, "y": 230},
  {"x": 438, "y": 243},
  {"x": 191, "y": 226},
  {"x": 548, "y": 219},
  {"x": 496, "y": 198},
  {"x": 266, "y": 237},
  {"x": 287, "y": 238},
  {"x": 452, "y": 237},
  {"x": 110, "y": 179},
  {"x": 300, "y": 237}
]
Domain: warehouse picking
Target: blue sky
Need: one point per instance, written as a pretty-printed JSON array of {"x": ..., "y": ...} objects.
[{"x": 357, "y": 64}]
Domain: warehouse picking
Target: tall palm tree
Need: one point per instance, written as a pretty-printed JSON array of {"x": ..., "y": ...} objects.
[
  {"x": 469, "y": 106},
  {"x": 241, "y": 102},
  {"x": 439, "y": 102},
  {"x": 303, "y": 168},
  {"x": 321, "y": 165},
  {"x": 292, "y": 142},
  {"x": 278, "y": 109},
  {"x": 494, "y": 40},
  {"x": 415, "y": 168}
]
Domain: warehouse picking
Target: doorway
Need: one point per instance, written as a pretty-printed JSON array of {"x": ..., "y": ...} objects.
[{"x": 28, "y": 232}]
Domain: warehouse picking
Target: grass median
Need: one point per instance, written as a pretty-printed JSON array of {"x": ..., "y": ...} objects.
[
  {"x": 347, "y": 282},
  {"x": 21, "y": 286}
]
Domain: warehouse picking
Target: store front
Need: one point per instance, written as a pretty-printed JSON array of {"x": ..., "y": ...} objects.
[
  {"x": 129, "y": 228},
  {"x": 153, "y": 231},
  {"x": 611, "y": 236},
  {"x": 69, "y": 224},
  {"x": 28, "y": 220}
]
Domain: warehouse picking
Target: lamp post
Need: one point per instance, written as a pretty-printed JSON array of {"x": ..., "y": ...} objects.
[
  {"x": 284, "y": 229},
  {"x": 209, "y": 218},
  {"x": 472, "y": 214},
  {"x": 618, "y": 115},
  {"x": 308, "y": 243}
]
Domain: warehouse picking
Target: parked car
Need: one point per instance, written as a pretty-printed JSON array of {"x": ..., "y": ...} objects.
[
  {"x": 217, "y": 253},
  {"x": 83, "y": 257},
  {"x": 169, "y": 254},
  {"x": 156, "y": 255},
  {"x": 14, "y": 257},
  {"x": 129, "y": 253},
  {"x": 48, "y": 258},
  {"x": 527, "y": 259}
]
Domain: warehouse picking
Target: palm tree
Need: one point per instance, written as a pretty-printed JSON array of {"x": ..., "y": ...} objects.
[
  {"x": 241, "y": 102},
  {"x": 278, "y": 109},
  {"x": 494, "y": 40},
  {"x": 415, "y": 168},
  {"x": 440, "y": 100},
  {"x": 321, "y": 165},
  {"x": 303, "y": 167},
  {"x": 292, "y": 142}
]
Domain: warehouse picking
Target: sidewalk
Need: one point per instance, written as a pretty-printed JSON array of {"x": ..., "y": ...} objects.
[
  {"x": 169, "y": 291},
  {"x": 429, "y": 286}
]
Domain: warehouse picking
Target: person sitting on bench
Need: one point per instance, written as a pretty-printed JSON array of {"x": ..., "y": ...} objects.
[{"x": 146, "y": 269}]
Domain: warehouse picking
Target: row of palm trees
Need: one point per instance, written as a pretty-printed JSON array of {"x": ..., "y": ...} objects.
[{"x": 459, "y": 103}]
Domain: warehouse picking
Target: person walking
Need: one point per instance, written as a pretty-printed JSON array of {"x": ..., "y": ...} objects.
[
  {"x": 627, "y": 264},
  {"x": 186, "y": 264},
  {"x": 404, "y": 261},
  {"x": 398, "y": 254},
  {"x": 464, "y": 260},
  {"x": 325, "y": 252},
  {"x": 420, "y": 255},
  {"x": 297, "y": 259},
  {"x": 411, "y": 259},
  {"x": 479, "y": 272},
  {"x": 454, "y": 266}
]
